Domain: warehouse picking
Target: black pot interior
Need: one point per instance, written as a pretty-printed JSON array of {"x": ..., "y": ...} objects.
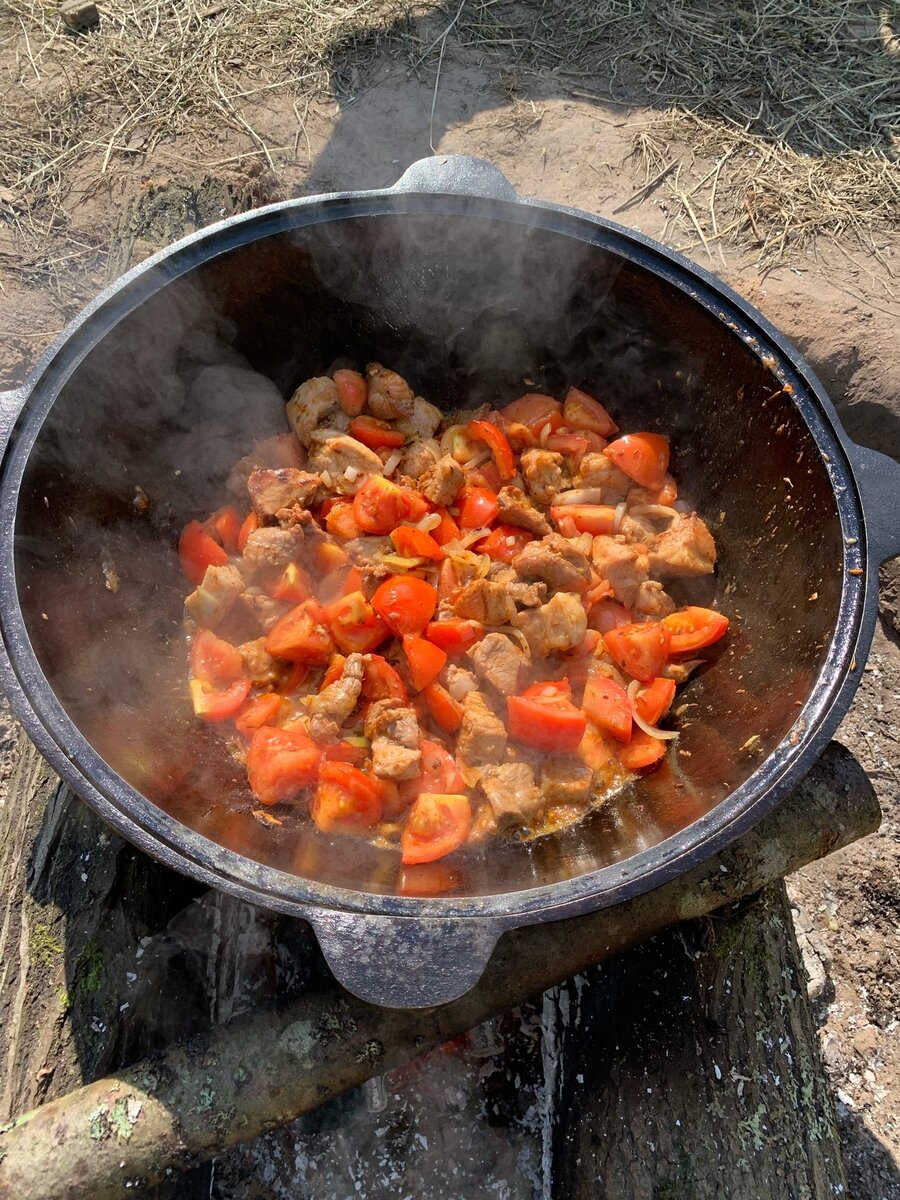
[{"x": 468, "y": 308}]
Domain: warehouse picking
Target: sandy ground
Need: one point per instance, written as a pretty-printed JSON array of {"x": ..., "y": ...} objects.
[{"x": 836, "y": 305}]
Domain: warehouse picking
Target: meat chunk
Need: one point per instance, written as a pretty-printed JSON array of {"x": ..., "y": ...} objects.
[
  {"x": 545, "y": 475},
  {"x": 262, "y": 668},
  {"x": 344, "y": 462},
  {"x": 393, "y": 731},
  {"x": 264, "y": 610},
  {"x": 441, "y": 482},
  {"x": 210, "y": 602},
  {"x": 310, "y": 404},
  {"x": 625, "y": 567},
  {"x": 389, "y": 394},
  {"x": 422, "y": 421},
  {"x": 565, "y": 779},
  {"x": 636, "y": 529},
  {"x": 485, "y": 601},
  {"x": 653, "y": 601},
  {"x": 527, "y": 595},
  {"x": 512, "y": 793},
  {"x": 269, "y": 549},
  {"x": 685, "y": 548},
  {"x": 334, "y": 704},
  {"x": 459, "y": 682},
  {"x": 271, "y": 490},
  {"x": 482, "y": 735},
  {"x": 516, "y": 509},
  {"x": 558, "y": 625},
  {"x": 500, "y": 663},
  {"x": 282, "y": 450},
  {"x": 556, "y": 562},
  {"x": 416, "y": 459},
  {"x": 598, "y": 471}
]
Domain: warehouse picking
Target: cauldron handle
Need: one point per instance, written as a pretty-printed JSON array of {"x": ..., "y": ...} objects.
[
  {"x": 404, "y": 962},
  {"x": 457, "y": 174},
  {"x": 11, "y": 404},
  {"x": 878, "y": 477}
]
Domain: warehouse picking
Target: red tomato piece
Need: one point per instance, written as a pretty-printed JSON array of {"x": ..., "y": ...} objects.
[
  {"x": 606, "y": 703},
  {"x": 301, "y": 635},
  {"x": 261, "y": 710},
  {"x": 693, "y": 628},
  {"x": 585, "y": 518},
  {"x": 582, "y": 411},
  {"x": 294, "y": 585},
  {"x": 382, "y": 682},
  {"x": 197, "y": 550},
  {"x": 250, "y": 525},
  {"x": 214, "y": 704},
  {"x": 643, "y": 457},
  {"x": 426, "y": 661},
  {"x": 437, "y": 825},
  {"x": 416, "y": 543},
  {"x": 296, "y": 678},
  {"x": 447, "y": 531},
  {"x": 533, "y": 410},
  {"x": 454, "y": 635},
  {"x": 439, "y": 770},
  {"x": 551, "y": 723},
  {"x": 478, "y": 507},
  {"x": 607, "y": 614},
  {"x": 549, "y": 691},
  {"x": 496, "y": 441},
  {"x": 215, "y": 661},
  {"x": 281, "y": 763},
  {"x": 405, "y": 604},
  {"x": 352, "y": 391},
  {"x": 595, "y": 750},
  {"x": 227, "y": 525},
  {"x": 334, "y": 671},
  {"x": 572, "y": 445},
  {"x": 328, "y": 557},
  {"x": 344, "y": 752},
  {"x": 641, "y": 752},
  {"x": 504, "y": 542},
  {"x": 380, "y": 505},
  {"x": 427, "y": 879},
  {"x": 340, "y": 520},
  {"x": 445, "y": 711},
  {"x": 654, "y": 701},
  {"x": 375, "y": 434},
  {"x": 353, "y": 581},
  {"x": 347, "y": 800},
  {"x": 640, "y": 650},
  {"x": 668, "y": 493},
  {"x": 354, "y": 624}
]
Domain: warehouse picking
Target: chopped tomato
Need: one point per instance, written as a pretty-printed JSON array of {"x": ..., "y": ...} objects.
[
  {"x": 549, "y": 691},
  {"x": 607, "y": 614},
  {"x": 352, "y": 391},
  {"x": 439, "y": 770},
  {"x": 344, "y": 752},
  {"x": 261, "y": 710},
  {"x": 668, "y": 493},
  {"x": 640, "y": 650},
  {"x": 478, "y": 507},
  {"x": 375, "y": 434},
  {"x": 454, "y": 635},
  {"x": 354, "y": 624},
  {"x": 281, "y": 763},
  {"x": 334, "y": 671},
  {"x": 497, "y": 443},
  {"x": 572, "y": 445},
  {"x": 382, "y": 682},
  {"x": 340, "y": 520},
  {"x": 437, "y": 824},
  {"x": 504, "y": 542},
  {"x": 405, "y": 604},
  {"x": 328, "y": 557},
  {"x": 294, "y": 585},
  {"x": 485, "y": 476},
  {"x": 590, "y": 643},
  {"x": 250, "y": 525},
  {"x": 227, "y": 525},
  {"x": 643, "y": 457},
  {"x": 416, "y": 543},
  {"x": 347, "y": 800},
  {"x": 654, "y": 701},
  {"x": 595, "y": 750},
  {"x": 546, "y": 722},
  {"x": 447, "y": 531},
  {"x": 198, "y": 550},
  {"x": 459, "y": 445},
  {"x": 533, "y": 410},
  {"x": 301, "y": 635},
  {"x": 295, "y": 679},
  {"x": 582, "y": 411},
  {"x": 642, "y": 751},
  {"x": 380, "y": 505},
  {"x": 353, "y": 581},
  {"x": 446, "y": 711},
  {"x": 585, "y": 518},
  {"x": 215, "y": 704},
  {"x": 693, "y": 628},
  {"x": 427, "y": 879},
  {"x": 214, "y": 660},
  {"x": 426, "y": 661},
  {"x": 606, "y": 703}
]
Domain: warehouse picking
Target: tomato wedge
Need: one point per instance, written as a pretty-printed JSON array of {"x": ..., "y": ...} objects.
[
  {"x": 352, "y": 391},
  {"x": 416, "y": 543},
  {"x": 354, "y": 624},
  {"x": 340, "y": 521},
  {"x": 215, "y": 661},
  {"x": 250, "y": 525},
  {"x": 294, "y": 585},
  {"x": 585, "y": 518},
  {"x": 640, "y": 650},
  {"x": 227, "y": 525},
  {"x": 533, "y": 410},
  {"x": 301, "y": 635},
  {"x": 477, "y": 507},
  {"x": 382, "y": 682},
  {"x": 437, "y": 825},
  {"x": 197, "y": 550},
  {"x": 446, "y": 712},
  {"x": 439, "y": 770},
  {"x": 347, "y": 800},
  {"x": 546, "y": 722},
  {"x": 447, "y": 531},
  {"x": 654, "y": 701},
  {"x": 693, "y": 628},
  {"x": 380, "y": 505},
  {"x": 504, "y": 542},
  {"x": 405, "y": 604},
  {"x": 595, "y": 750},
  {"x": 606, "y": 703},
  {"x": 375, "y": 434},
  {"x": 582, "y": 411},
  {"x": 261, "y": 710},
  {"x": 607, "y": 614},
  {"x": 454, "y": 635},
  {"x": 214, "y": 704},
  {"x": 641, "y": 752},
  {"x": 426, "y": 661},
  {"x": 281, "y": 763},
  {"x": 643, "y": 457},
  {"x": 344, "y": 752},
  {"x": 496, "y": 441}
]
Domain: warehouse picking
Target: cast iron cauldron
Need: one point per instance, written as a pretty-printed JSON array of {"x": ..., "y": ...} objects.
[{"x": 458, "y": 283}]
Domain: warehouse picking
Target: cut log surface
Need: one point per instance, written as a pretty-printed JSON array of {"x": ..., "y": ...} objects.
[{"x": 685, "y": 1067}]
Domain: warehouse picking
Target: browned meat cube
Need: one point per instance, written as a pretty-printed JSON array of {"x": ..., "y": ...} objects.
[
  {"x": 271, "y": 490},
  {"x": 557, "y": 562},
  {"x": 393, "y": 731},
  {"x": 281, "y": 450},
  {"x": 545, "y": 475},
  {"x": 484, "y": 824},
  {"x": 500, "y": 663},
  {"x": 343, "y": 463},
  {"x": 565, "y": 779},
  {"x": 422, "y": 421},
  {"x": 527, "y": 595},
  {"x": 458, "y": 681},
  {"x": 263, "y": 608},
  {"x": 685, "y": 548},
  {"x": 271, "y": 548},
  {"x": 212, "y": 599},
  {"x": 653, "y": 601},
  {"x": 485, "y": 601},
  {"x": 637, "y": 529},
  {"x": 516, "y": 509},
  {"x": 623, "y": 566},
  {"x": 417, "y": 458},
  {"x": 310, "y": 404},
  {"x": 441, "y": 482},
  {"x": 512, "y": 793},
  {"x": 598, "y": 471},
  {"x": 558, "y": 625},
  {"x": 389, "y": 393},
  {"x": 259, "y": 665},
  {"x": 482, "y": 735},
  {"x": 334, "y": 704}
]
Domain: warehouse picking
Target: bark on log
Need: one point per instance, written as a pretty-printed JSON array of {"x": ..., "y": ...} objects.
[{"x": 196, "y": 1099}]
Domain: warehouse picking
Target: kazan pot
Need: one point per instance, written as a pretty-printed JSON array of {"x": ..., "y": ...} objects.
[{"x": 129, "y": 424}]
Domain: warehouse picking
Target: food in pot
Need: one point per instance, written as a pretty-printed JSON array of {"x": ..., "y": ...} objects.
[{"x": 431, "y": 631}]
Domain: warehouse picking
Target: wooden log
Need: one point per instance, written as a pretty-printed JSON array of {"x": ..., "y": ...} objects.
[{"x": 225, "y": 1086}]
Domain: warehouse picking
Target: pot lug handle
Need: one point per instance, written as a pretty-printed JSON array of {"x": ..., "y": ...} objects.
[
  {"x": 11, "y": 404},
  {"x": 457, "y": 174},
  {"x": 878, "y": 476},
  {"x": 403, "y": 962}
]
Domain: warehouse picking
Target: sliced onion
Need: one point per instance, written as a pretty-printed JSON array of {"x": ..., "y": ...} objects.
[
  {"x": 392, "y": 462},
  {"x": 429, "y": 521},
  {"x": 655, "y": 510},
  {"x": 511, "y": 631},
  {"x": 476, "y": 461},
  {"x": 434, "y": 446},
  {"x": 351, "y": 474},
  {"x": 621, "y": 508},
  {"x": 664, "y": 735},
  {"x": 584, "y": 542},
  {"x": 546, "y": 430},
  {"x": 399, "y": 563},
  {"x": 592, "y": 495},
  {"x": 466, "y": 539},
  {"x": 325, "y": 476}
]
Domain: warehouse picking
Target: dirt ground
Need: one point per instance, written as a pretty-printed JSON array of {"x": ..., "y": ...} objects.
[{"x": 836, "y": 302}]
